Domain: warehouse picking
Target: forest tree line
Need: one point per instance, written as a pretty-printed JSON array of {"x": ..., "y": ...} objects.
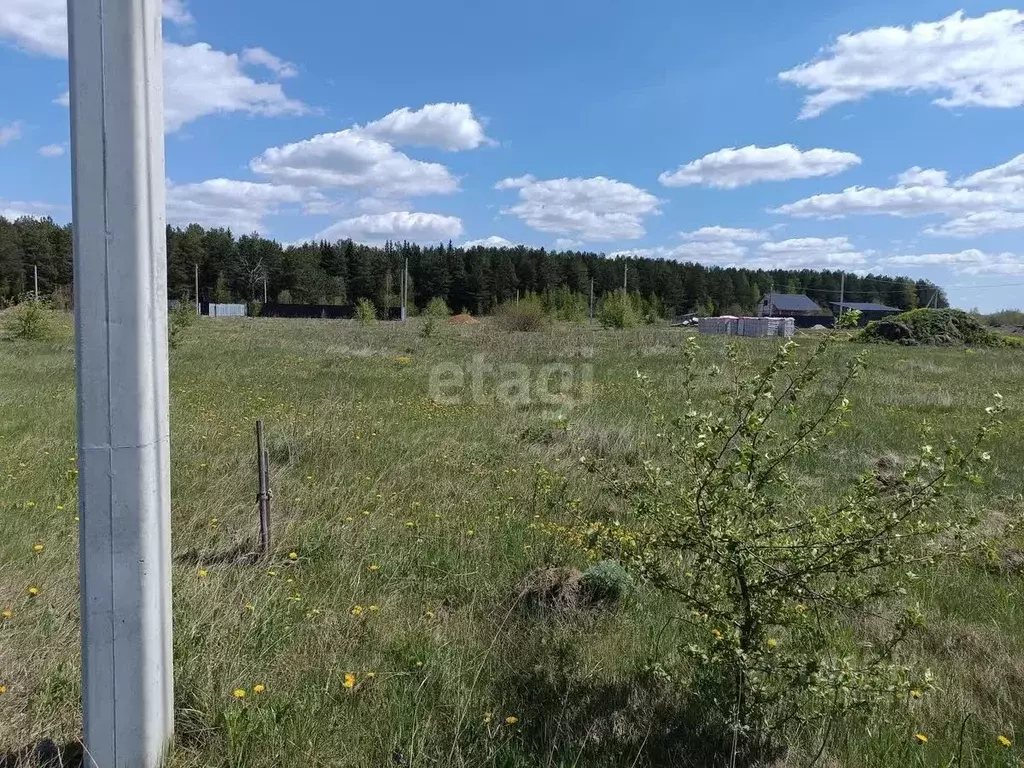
[{"x": 250, "y": 268}]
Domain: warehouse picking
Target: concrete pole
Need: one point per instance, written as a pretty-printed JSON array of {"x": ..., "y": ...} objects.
[
  {"x": 35, "y": 277},
  {"x": 591, "y": 299},
  {"x": 117, "y": 148},
  {"x": 625, "y": 276},
  {"x": 199, "y": 309}
]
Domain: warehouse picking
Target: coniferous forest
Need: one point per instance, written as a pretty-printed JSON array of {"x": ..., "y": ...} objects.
[{"x": 238, "y": 269}]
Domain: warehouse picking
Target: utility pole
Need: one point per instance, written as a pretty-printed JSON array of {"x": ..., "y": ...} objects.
[
  {"x": 35, "y": 275},
  {"x": 591, "y": 300},
  {"x": 842, "y": 294},
  {"x": 199, "y": 309},
  {"x": 120, "y": 266},
  {"x": 264, "y": 287},
  {"x": 625, "y": 276},
  {"x": 405, "y": 291}
]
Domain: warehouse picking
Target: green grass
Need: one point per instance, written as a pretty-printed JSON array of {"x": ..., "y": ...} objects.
[{"x": 426, "y": 517}]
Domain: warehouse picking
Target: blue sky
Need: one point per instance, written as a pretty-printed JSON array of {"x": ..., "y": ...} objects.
[{"x": 873, "y": 136}]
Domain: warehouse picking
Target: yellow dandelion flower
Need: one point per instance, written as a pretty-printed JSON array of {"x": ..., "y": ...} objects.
[
  {"x": 373, "y": 567},
  {"x": 772, "y": 642},
  {"x": 250, "y": 607},
  {"x": 915, "y": 694},
  {"x": 30, "y": 504},
  {"x": 410, "y": 524},
  {"x": 373, "y": 608},
  {"x": 717, "y": 633},
  {"x": 920, "y": 738},
  {"x": 470, "y": 532},
  {"x": 3, "y": 689},
  {"x": 371, "y": 674},
  {"x": 259, "y": 688},
  {"x": 38, "y": 548},
  {"x": 419, "y": 664},
  {"x": 1005, "y": 741},
  {"x": 511, "y": 720},
  {"x": 33, "y": 591},
  {"x": 203, "y": 573},
  {"x": 488, "y": 717},
  {"x": 349, "y": 519},
  {"x": 60, "y": 507},
  {"x": 238, "y": 693},
  {"x": 6, "y": 614},
  {"x": 357, "y": 610},
  {"x": 366, "y": 513},
  {"x": 350, "y": 680},
  {"x": 271, "y": 572},
  {"x": 293, "y": 556}
]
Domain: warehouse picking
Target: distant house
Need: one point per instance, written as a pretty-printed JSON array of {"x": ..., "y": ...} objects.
[
  {"x": 868, "y": 310},
  {"x": 788, "y": 305}
]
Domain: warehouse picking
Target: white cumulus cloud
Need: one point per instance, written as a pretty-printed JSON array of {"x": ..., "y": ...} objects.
[
  {"x": 810, "y": 252},
  {"x": 448, "y": 126},
  {"x": 966, "y": 62},
  {"x": 731, "y": 168},
  {"x": 1006, "y": 177},
  {"x": 977, "y": 224},
  {"x": 52, "y": 150},
  {"x": 238, "y": 205},
  {"x": 14, "y": 209},
  {"x": 494, "y": 241},
  {"x": 725, "y": 233},
  {"x": 966, "y": 262},
  {"x": 922, "y": 177},
  {"x": 10, "y": 132},
  {"x": 261, "y": 57},
  {"x": 396, "y": 225},
  {"x": 592, "y": 210},
  {"x": 350, "y": 159}
]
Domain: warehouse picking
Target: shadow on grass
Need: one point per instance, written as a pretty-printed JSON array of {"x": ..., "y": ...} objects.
[
  {"x": 45, "y": 754},
  {"x": 243, "y": 554}
]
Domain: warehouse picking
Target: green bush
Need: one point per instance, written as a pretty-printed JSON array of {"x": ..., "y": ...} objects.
[
  {"x": 618, "y": 311},
  {"x": 31, "y": 320},
  {"x": 606, "y": 581},
  {"x": 931, "y": 326},
  {"x": 527, "y": 314},
  {"x": 366, "y": 312},
  {"x": 181, "y": 317},
  {"x": 714, "y": 516},
  {"x": 438, "y": 308},
  {"x": 566, "y": 305}
]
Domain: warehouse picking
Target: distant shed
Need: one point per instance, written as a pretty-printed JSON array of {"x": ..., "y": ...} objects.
[
  {"x": 788, "y": 305},
  {"x": 868, "y": 310}
]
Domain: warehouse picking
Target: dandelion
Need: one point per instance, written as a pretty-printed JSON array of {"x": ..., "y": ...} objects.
[
  {"x": 772, "y": 642},
  {"x": 373, "y": 567},
  {"x": 1005, "y": 741},
  {"x": 6, "y": 614},
  {"x": 203, "y": 573},
  {"x": 349, "y": 519},
  {"x": 488, "y": 717},
  {"x": 60, "y": 507},
  {"x": 419, "y": 664},
  {"x": 250, "y": 607},
  {"x": 920, "y": 738},
  {"x": 293, "y": 556},
  {"x": 38, "y": 548},
  {"x": 366, "y": 513},
  {"x": 357, "y": 610},
  {"x": 3, "y": 689},
  {"x": 33, "y": 591},
  {"x": 717, "y": 633},
  {"x": 470, "y": 532},
  {"x": 238, "y": 693},
  {"x": 915, "y": 694},
  {"x": 259, "y": 688},
  {"x": 373, "y": 608},
  {"x": 410, "y": 524},
  {"x": 371, "y": 674},
  {"x": 271, "y": 572},
  {"x": 350, "y": 680},
  {"x": 511, "y": 720}
]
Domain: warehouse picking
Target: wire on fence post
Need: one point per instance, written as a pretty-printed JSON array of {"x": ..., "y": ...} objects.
[{"x": 263, "y": 462}]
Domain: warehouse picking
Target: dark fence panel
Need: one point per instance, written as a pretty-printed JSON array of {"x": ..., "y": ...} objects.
[
  {"x": 321, "y": 311},
  {"x": 809, "y": 321}
]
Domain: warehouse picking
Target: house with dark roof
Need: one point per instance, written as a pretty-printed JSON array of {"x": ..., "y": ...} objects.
[
  {"x": 868, "y": 310},
  {"x": 788, "y": 305}
]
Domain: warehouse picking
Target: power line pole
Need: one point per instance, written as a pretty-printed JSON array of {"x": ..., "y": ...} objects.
[
  {"x": 120, "y": 265},
  {"x": 405, "y": 291},
  {"x": 842, "y": 294},
  {"x": 199, "y": 309},
  {"x": 591, "y": 299},
  {"x": 264, "y": 287},
  {"x": 35, "y": 274},
  {"x": 625, "y": 276}
]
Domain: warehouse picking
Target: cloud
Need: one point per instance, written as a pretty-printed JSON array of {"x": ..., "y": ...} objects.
[
  {"x": 986, "y": 201},
  {"x": 967, "y": 262},
  {"x": 977, "y": 224},
  {"x": 920, "y": 177},
  {"x": 968, "y": 62},
  {"x": 41, "y": 26},
  {"x": 64, "y": 100},
  {"x": 397, "y": 225},
  {"x": 12, "y": 209},
  {"x": 52, "y": 150},
  {"x": 10, "y": 132},
  {"x": 489, "y": 242},
  {"x": 200, "y": 80},
  {"x": 731, "y": 168},
  {"x": 593, "y": 210},
  {"x": 349, "y": 159},
  {"x": 448, "y": 126},
  {"x": 261, "y": 57},
  {"x": 810, "y": 252},
  {"x": 725, "y": 233},
  {"x": 567, "y": 244},
  {"x": 239, "y": 205}
]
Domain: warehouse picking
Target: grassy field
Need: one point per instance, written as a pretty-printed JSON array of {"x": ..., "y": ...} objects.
[{"x": 398, "y": 636}]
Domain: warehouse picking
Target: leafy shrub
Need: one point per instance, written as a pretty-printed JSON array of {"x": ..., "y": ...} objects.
[
  {"x": 428, "y": 328},
  {"x": 438, "y": 308},
  {"x": 527, "y": 314},
  {"x": 366, "y": 312},
  {"x": 566, "y": 305},
  {"x": 931, "y": 326},
  {"x": 618, "y": 311},
  {"x": 606, "y": 581},
  {"x": 32, "y": 321},
  {"x": 849, "y": 319},
  {"x": 182, "y": 316},
  {"x": 768, "y": 580}
]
